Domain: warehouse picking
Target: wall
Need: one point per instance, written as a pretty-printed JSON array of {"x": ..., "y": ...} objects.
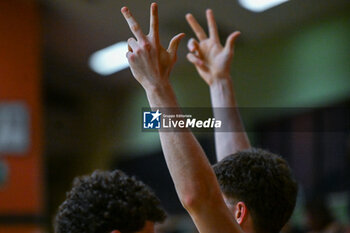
[
  {"x": 21, "y": 194},
  {"x": 307, "y": 66}
]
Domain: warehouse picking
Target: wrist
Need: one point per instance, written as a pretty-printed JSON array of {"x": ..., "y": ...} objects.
[
  {"x": 222, "y": 93},
  {"x": 161, "y": 96},
  {"x": 160, "y": 88},
  {"x": 153, "y": 83},
  {"x": 221, "y": 81}
]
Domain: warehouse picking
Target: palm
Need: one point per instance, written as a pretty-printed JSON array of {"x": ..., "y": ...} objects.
[
  {"x": 216, "y": 60},
  {"x": 211, "y": 59}
]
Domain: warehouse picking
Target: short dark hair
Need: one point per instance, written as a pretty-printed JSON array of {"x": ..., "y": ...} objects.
[
  {"x": 106, "y": 201},
  {"x": 263, "y": 181}
]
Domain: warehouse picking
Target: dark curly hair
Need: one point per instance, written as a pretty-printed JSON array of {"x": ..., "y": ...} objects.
[
  {"x": 263, "y": 181},
  {"x": 106, "y": 201}
]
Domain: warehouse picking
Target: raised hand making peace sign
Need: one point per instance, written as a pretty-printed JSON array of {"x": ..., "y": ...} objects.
[{"x": 149, "y": 62}]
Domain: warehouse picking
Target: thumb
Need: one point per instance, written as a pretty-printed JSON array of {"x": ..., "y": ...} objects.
[
  {"x": 230, "y": 42},
  {"x": 174, "y": 44}
]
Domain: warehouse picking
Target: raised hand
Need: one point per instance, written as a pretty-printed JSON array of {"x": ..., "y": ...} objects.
[
  {"x": 211, "y": 59},
  {"x": 194, "y": 179},
  {"x": 149, "y": 62}
]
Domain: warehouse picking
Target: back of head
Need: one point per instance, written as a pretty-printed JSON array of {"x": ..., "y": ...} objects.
[
  {"x": 263, "y": 181},
  {"x": 106, "y": 201}
]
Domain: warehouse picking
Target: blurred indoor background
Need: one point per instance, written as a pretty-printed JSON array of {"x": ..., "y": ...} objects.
[{"x": 59, "y": 118}]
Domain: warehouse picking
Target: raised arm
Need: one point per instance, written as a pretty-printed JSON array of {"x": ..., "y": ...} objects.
[
  {"x": 194, "y": 179},
  {"x": 212, "y": 61}
]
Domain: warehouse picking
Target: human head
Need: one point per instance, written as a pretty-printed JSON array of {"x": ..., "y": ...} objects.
[
  {"x": 258, "y": 187},
  {"x": 106, "y": 202}
]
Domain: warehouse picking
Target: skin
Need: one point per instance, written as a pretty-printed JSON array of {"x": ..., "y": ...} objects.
[
  {"x": 213, "y": 61},
  {"x": 241, "y": 214},
  {"x": 148, "y": 228},
  {"x": 194, "y": 179}
]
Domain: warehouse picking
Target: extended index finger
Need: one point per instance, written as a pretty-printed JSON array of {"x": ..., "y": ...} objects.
[
  {"x": 198, "y": 30},
  {"x": 154, "y": 24},
  {"x": 133, "y": 25}
]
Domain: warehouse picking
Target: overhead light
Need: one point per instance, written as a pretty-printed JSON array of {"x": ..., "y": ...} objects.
[
  {"x": 260, "y": 5},
  {"x": 110, "y": 60}
]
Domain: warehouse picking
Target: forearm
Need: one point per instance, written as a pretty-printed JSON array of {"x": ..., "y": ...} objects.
[
  {"x": 187, "y": 163},
  {"x": 225, "y": 108},
  {"x": 194, "y": 179}
]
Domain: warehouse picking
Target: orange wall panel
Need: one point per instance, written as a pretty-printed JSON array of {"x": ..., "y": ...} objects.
[
  {"x": 20, "y": 47},
  {"x": 21, "y": 229}
]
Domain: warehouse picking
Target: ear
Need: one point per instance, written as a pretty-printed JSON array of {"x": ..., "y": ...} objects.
[
  {"x": 241, "y": 212},
  {"x": 115, "y": 231}
]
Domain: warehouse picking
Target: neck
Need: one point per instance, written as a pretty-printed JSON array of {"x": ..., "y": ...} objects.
[{"x": 247, "y": 226}]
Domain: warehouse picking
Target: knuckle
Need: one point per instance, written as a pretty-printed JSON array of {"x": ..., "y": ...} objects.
[
  {"x": 127, "y": 14},
  {"x": 135, "y": 27},
  {"x": 130, "y": 57},
  {"x": 138, "y": 51},
  {"x": 190, "y": 44},
  {"x": 147, "y": 46}
]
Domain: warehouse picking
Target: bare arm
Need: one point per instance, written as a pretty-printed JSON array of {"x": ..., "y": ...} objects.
[
  {"x": 226, "y": 109},
  {"x": 212, "y": 61},
  {"x": 194, "y": 179}
]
